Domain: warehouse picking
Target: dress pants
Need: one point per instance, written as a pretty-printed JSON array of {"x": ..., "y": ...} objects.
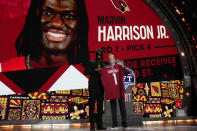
[
  {"x": 123, "y": 113},
  {"x": 93, "y": 97}
]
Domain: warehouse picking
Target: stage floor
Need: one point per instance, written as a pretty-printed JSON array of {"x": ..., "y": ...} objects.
[{"x": 167, "y": 125}]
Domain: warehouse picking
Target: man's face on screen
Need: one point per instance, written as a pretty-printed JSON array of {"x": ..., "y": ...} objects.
[{"x": 59, "y": 22}]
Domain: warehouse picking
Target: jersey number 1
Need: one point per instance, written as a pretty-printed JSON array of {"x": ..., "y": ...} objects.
[{"x": 115, "y": 79}]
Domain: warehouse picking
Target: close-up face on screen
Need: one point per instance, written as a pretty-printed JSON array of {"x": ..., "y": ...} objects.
[
  {"x": 59, "y": 20},
  {"x": 47, "y": 45}
]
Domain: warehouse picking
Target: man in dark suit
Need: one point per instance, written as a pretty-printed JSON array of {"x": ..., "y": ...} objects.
[{"x": 96, "y": 91}]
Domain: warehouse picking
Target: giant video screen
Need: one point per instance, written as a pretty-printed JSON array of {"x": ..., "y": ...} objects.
[{"x": 44, "y": 44}]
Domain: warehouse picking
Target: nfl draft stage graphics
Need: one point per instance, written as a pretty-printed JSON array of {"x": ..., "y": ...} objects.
[{"x": 152, "y": 45}]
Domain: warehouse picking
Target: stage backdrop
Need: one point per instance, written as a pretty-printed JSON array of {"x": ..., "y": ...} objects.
[{"x": 129, "y": 29}]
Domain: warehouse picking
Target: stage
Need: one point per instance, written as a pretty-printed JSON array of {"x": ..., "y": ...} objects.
[{"x": 62, "y": 125}]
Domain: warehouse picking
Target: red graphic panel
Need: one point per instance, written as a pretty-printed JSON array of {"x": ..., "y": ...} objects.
[
  {"x": 12, "y": 18},
  {"x": 136, "y": 34}
]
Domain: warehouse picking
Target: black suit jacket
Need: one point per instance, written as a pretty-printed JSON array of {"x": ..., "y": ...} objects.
[{"x": 94, "y": 84}]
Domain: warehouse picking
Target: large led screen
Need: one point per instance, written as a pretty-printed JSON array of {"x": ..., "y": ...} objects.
[{"x": 44, "y": 44}]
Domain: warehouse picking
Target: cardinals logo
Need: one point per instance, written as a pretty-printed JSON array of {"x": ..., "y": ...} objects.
[
  {"x": 156, "y": 89},
  {"x": 121, "y": 5}
]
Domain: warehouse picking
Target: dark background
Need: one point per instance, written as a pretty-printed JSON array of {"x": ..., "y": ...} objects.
[{"x": 188, "y": 10}]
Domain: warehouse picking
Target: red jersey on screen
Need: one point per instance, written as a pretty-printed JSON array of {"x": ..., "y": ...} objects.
[
  {"x": 14, "y": 64},
  {"x": 112, "y": 80}
]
